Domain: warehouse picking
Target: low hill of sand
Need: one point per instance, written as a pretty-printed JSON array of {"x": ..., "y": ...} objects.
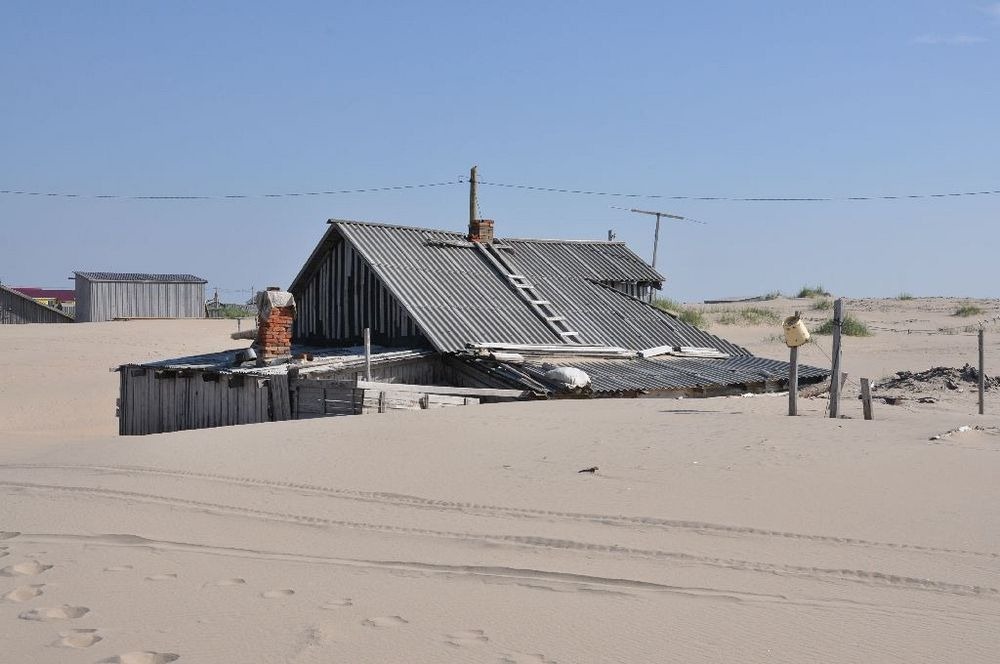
[{"x": 713, "y": 530}]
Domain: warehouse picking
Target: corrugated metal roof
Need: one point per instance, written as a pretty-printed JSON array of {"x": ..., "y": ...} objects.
[
  {"x": 142, "y": 276},
  {"x": 629, "y": 375},
  {"x": 457, "y": 297},
  {"x": 597, "y": 261}
]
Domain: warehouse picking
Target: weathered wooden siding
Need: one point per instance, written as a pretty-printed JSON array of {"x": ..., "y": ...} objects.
[
  {"x": 331, "y": 398},
  {"x": 154, "y": 401},
  {"x": 342, "y": 297},
  {"x": 107, "y": 300},
  {"x": 637, "y": 290},
  {"x": 420, "y": 371},
  {"x": 16, "y": 308}
]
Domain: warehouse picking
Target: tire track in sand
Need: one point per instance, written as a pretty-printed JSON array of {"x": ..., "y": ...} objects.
[
  {"x": 404, "y": 500},
  {"x": 867, "y": 577}
]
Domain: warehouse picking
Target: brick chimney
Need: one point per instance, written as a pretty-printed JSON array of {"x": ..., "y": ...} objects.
[
  {"x": 275, "y": 315},
  {"x": 481, "y": 230}
]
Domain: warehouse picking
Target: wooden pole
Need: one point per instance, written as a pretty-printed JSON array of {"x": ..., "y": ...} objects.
[
  {"x": 838, "y": 320},
  {"x": 982, "y": 374},
  {"x": 368, "y": 354},
  {"x": 473, "y": 206},
  {"x": 656, "y": 237},
  {"x": 866, "y": 398},
  {"x": 793, "y": 381}
]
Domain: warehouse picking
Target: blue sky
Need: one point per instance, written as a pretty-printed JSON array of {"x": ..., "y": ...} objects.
[{"x": 735, "y": 99}]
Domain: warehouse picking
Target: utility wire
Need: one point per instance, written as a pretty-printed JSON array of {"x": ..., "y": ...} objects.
[
  {"x": 525, "y": 187},
  {"x": 742, "y": 199},
  {"x": 184, "y": 197}
]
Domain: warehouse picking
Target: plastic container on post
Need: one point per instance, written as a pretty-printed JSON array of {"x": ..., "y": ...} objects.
[{"x": 796, "y": 333}]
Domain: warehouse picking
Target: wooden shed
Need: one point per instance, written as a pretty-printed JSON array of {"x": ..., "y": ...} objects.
[
  {"x": 216, "y": 390},
  {"x": 16, "y": 307},
  {"x": 102, "y": 296}
]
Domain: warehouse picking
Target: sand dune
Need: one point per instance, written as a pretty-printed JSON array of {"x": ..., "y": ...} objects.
[{"x": 714, "y": 530}]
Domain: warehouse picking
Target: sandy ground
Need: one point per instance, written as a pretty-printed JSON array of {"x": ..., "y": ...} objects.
[{"x": 714, "y": 530}]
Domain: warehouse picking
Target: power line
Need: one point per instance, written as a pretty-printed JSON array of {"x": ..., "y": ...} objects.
[
  {"x": 524, "y": 187},
  {"x": 739, "y": 199},
  {"x": 185, "y": 197}
]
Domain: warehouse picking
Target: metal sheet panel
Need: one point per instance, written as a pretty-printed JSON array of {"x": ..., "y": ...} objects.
[
  {"x": 457, "y": 297},
  {"x": 630, "y": 375}
]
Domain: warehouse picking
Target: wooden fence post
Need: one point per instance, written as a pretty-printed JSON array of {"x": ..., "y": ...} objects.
[
  {"x": 982, "y": 374},
  {"x": 368, "y": 354},
  {"x": 866, "y": 398},
  {"x": 838, "y": 321},
  {"x": 793, "y": 380}
]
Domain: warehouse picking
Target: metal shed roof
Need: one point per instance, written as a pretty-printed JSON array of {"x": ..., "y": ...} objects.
[
  {"x": 458, "y": 298},
  {"x": 627, "y": 375},
  {"x": 142, "y": 276}
]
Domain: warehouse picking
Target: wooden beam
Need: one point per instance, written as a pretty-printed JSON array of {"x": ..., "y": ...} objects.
[
  {"x": 793, "y": 381},
  {"x": 866, "y": 398},
  {"x": 982, "y": 373},
  {"x": 437, "y": 389},
  {"x": 838, "y": 321}
]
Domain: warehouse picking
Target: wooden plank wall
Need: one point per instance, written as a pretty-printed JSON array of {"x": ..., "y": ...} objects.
[
  {"x": 158, "y": 402},
  {"x": 385, "y": 401},
  {"x": 342, "y": 297},
  {"x": 330, "y": 398},
  {"x": 16, "y": 308},
  {"x": 106, "y": 300}
]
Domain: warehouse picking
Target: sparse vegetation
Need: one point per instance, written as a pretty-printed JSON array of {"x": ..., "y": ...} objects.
[
  {"x": 904, "y": 296},
  {"x": 822, "y": 305},
  {"x": 850, "y": 327},
  {"x": 967, "y": 310},
  {"x": 749, "y": 316},
  {"x": 689, "y": 315},
  {"x": 813, "y": 291},
  {"x": 773, "y": 295}
]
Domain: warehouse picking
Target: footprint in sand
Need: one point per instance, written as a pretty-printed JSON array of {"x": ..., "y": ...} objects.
[
  {"x": 144, "y": 657},
  {"x": 64, "y": 612},
  {"x": 275, "y": 594},
  {"x": 520, "y": 658},
  {"x": 118, "y": 568},
  {"x": 29, "y": 568},
  {"x": 78, "y": 638},
  {"x": 339, "y": 603},
  {"x": 4, "y": 551},
  {"x": 8, "y": 534},
  {"x": 24, "y": 593},
  {"x": 162, "y": 577},
  {"x": 466, "y": 638},
  {"x": 386, "y": 621},
  {"x": 235, "y": 581}
]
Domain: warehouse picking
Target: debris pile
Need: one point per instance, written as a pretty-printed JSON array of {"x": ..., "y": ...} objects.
[{"x": 938, "y": 378}]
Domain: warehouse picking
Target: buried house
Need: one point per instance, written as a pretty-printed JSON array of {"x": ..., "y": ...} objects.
[{"x": 454, "y": 318}]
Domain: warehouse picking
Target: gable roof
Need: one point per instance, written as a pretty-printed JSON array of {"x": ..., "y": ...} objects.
[
  {"x": 142, "y": 276},
  {"x": 457, "y": 297}
]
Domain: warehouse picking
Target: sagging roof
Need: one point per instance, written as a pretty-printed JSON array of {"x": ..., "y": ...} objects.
[
  {"x": 457, "y": 297},
  {"x": 615, "y": 376},
  {"x": 323, "y": 360},
  {"x": 142, "y": 276}
]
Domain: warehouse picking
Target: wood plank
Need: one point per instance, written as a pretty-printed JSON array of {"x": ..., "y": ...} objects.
[
  {"x": 437, "y": 389},
  {"x": 866, "y": 398}
]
